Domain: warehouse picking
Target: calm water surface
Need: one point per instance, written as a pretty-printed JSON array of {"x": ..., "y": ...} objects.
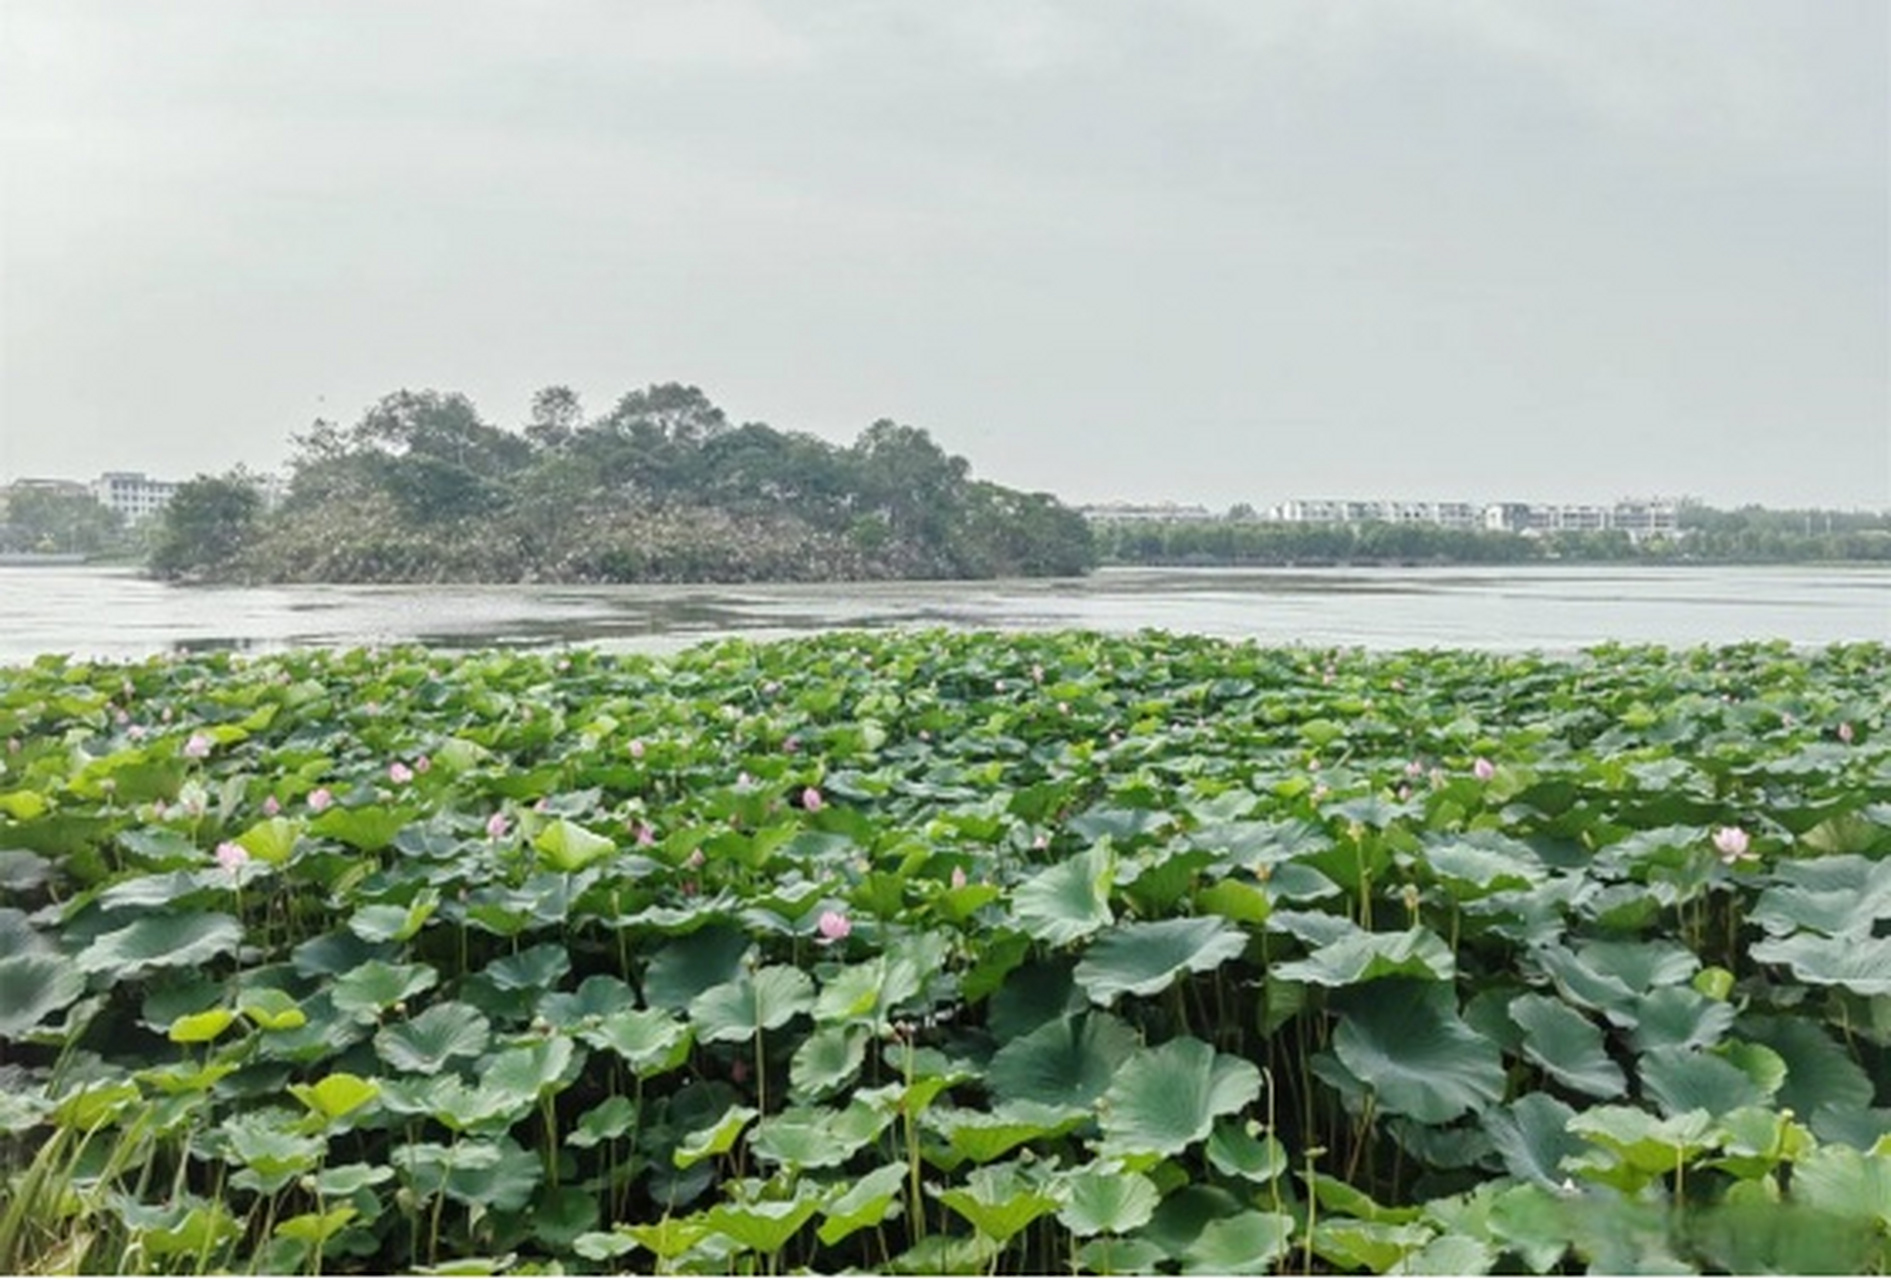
[{"x": 114, "y": 613}]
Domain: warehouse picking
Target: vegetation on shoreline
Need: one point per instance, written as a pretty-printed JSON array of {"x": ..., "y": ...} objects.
[
  {"x": 948, "y": 952},
  {"x": 1749, "y": 535},
  {"x": 663, "y": 488}
]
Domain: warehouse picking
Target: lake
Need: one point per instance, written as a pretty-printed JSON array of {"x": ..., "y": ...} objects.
[{"x": 114, "y": 613}]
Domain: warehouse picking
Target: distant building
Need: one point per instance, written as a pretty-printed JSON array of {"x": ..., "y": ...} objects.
[
  {"x": 133, "y": 494},
  {"x": 1638, "y": 517}
]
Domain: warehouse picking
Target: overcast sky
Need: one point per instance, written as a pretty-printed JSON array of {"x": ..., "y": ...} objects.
[{"x": 1201, "y": 250}]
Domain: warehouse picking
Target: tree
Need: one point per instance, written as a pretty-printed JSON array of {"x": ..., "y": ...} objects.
[
  {"x": 45, "y": 519},
  {"x": 556, "y": 417},
  {"x": 207, "y": 525}
]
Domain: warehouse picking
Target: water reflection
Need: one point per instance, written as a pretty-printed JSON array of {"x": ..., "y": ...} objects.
[{"x": 117, "y": 614}]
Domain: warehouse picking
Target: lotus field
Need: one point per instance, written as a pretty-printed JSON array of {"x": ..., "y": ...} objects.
[{"x": 947, "y": 952}]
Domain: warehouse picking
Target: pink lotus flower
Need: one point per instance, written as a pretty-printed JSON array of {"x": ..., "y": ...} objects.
[
  {"x": 231, "y": 856},
  {"x": 1484, "y": 769},
  {"x": 400, "y": 774},
  {"x": 121, "y": 717},
  {"x": 423, "y": 764},
  {"x": 320, "y": 799},
  {"x": 1732, "y": 842},
  {"x": 791, "y": 744},
  {"x": 497, "y": 826},
  {"x": 543, "y": 805},
  {"x": 694, "y": 860},
  {"x": 135, "y": 733},
  {"x": 958, "y": 877},
  {"x": 1845, "y": 732},
  {"x": 1414, "y": 768},
  {"x": 198, "y": 746},
  {"x": 811, "y": 800},
  {"x": 645, "y": 835},
  {"x": 834, "y": 926},
  {"x": 636, "y": 748},
  {"x": 271, "y": 806}
]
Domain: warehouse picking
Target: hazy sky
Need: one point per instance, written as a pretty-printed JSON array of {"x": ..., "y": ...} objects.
[{"x": 1203, "y": 250}]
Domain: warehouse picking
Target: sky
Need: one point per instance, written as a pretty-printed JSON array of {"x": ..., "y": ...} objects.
[{"x": 1203, "y": 251}]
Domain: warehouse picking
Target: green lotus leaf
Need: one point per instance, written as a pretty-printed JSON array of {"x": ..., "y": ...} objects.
[
  {"x": 685, "y": 967},
  {"x": 983, "y": 1136},
  {"x": 1845, "y": 1183},
  {"x": 367, "y": 989},
  {"x": 341, "y": 1180},
  {"x": 536, "y": 1070},
  {"x": 272, "y": 840},
  {"x": 1243, "y": 1244},
  {"x": 1476, "y": 865},
  {"x": 1166, "y": 1099},
  {"x": 826, "y": 1060},
  {"x": 1068, "y": 901},
  {"x": 1857, "y": 964},
  {"x": 162, "y": 942},
  {"x": 384, "y": 922},
  {"x": 1642, "y": 1143},
  {"x": 803, "y": 1138},
  {"x": 1240, "y": 1151},
  {"x": 713, "y": 1139},
  {"x": 438, "y": 1035},
  {"x": 315, "y": 1228},
  {"x": 1065, "y": 1061},
  {"x": 866, "y": 992},
  {"x": 1680, "y": 1080},
  {"x": 1840, "y": 896},
  {"x": 160, "y": 890},
  {"x": 337, "y": 1094},
  {"x": 33, "y": 986},
  {"x": 1237, "y": 900},
  {"x": 1679, "y": 1018},
  {"x": 668, "y": 1238},
  {"x": 1146, "y": 957},
  {"x": 1360, "y": 957},
  {"x": 1097, "y": 1202},
  {"x": 599, "y": 996},
  {"x": 1110, "y": 1256},
  {"x": 566, "y": 846},
  {"x": 1532, "y": 1135},
  {"x": 495, "y": 1174},
  {"x": 606, "y": 1122},
  {"x": 1375, "y": 1247},
  {"x": 649, "y": 1040},
  {"x": 997, "y": 1201},
  {"x": 862, "y": 1203},
  {"x": 368, "y": 828},
  {"x": 201, "y": 1028},
  {"x": 1449, "y": 1255},
  {"x": 1567, "y": 1046},
  {"x": 752, "y": 1003},
  {"x": 1819, "y": 1073},
  {"x": 270, "y": 1009},
  {"x": 1405, "y": 1041},
  {"x": 535, "y": 969}
]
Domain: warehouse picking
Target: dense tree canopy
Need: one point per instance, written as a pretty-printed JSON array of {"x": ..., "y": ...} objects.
[
  {"x": 40, "y": 519},
  {"x": 661, "y": 487}
]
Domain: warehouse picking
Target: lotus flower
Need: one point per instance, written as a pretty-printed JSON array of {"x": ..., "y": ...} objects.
[
  {"x": 958, "y": 877},
  {"x": 1732, "y": 842},
  {"x": 811, "y": 800},
  {"x": 496, "y": 826},
  {"x": 1484, "y": 769},
  {"x": 400, "y": 774},
  {"x": 1845, "y": 732},
  {"x": 320, "y": 799},
  {"x": 198, "y": 746},
  {"x": 231, "y": 856},
  {"x": 271, "y": 806},
  {"x": 834, "y": 926},
  {"x": 636, "y": 748}
]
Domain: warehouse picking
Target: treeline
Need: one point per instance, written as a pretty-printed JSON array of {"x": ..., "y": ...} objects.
[
  {"x": 662, "y": 488},
  {"x": 1748, "y": 536}
]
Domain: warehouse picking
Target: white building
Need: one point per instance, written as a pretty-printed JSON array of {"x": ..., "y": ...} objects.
[
  {"x": 1637, "y": 517},
  {"x": 133, "y": 494}
]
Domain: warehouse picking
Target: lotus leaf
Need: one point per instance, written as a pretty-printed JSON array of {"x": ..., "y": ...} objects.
[
  {"x": 1146, "y": 957},
  {"x": 1166, "y": 1099}
]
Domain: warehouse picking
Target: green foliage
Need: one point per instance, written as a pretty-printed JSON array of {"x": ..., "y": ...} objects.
[
  {"x": 1123, "y": 985},
  {"x": 661, "y": 488}
]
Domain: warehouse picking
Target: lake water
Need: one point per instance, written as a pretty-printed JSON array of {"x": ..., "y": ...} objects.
[{"x": 112, "y": 613}]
